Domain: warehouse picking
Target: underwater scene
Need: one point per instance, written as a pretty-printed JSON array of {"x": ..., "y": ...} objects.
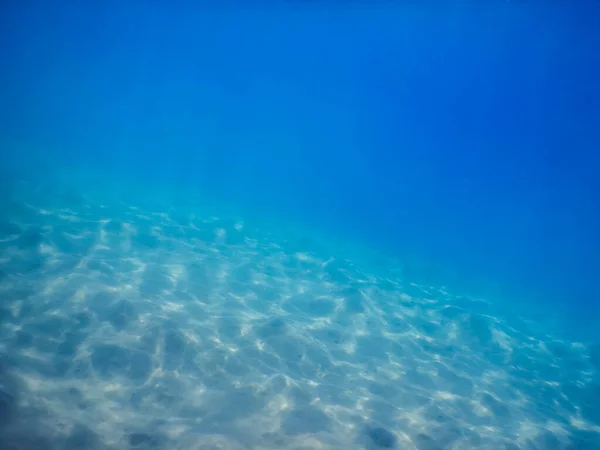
[{"x": 299, "y": 225}]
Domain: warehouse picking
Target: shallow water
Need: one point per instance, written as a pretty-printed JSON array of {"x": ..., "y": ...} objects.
[{"x": 127, "y": 325}]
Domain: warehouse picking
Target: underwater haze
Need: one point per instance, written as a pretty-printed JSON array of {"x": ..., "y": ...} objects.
[{"x": 299, "y": 225}]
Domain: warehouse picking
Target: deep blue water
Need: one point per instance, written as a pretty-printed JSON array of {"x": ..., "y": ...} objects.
[{"x": 299, "y": 225}]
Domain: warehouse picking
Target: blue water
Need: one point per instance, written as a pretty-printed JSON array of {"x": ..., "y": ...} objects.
[{"x": 315, "y": 225}]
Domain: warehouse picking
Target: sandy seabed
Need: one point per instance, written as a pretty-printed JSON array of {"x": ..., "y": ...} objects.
[{"x": 123, "y": 326}]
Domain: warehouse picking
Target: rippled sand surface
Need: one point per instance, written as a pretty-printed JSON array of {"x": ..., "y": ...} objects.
[{"x": 125, "y": 325}]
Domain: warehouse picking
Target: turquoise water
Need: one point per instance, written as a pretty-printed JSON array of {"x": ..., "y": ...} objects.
[
  {"x": 134, "y": 321},
  {"x": 299, "y": 226}
]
